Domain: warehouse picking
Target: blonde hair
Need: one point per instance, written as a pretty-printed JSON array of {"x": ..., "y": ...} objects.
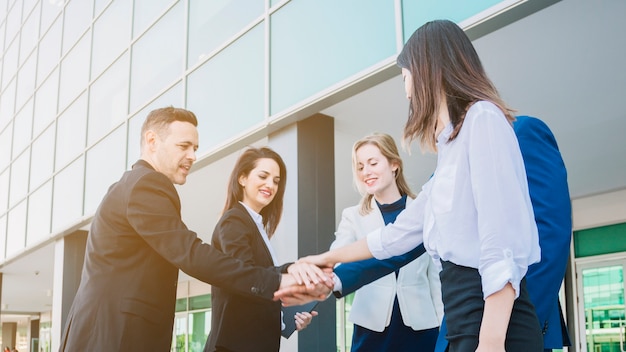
[{"x": 389, "y": 150}]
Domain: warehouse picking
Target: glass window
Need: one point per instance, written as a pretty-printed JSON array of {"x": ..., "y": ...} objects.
[
  {"x": 111, "y": 35},
  {"x": 14, "y": 20},
  {"x": 49, "y": 51},
  {"x": 29, "y": 34},
  {"x": 211, "y": 23},
  {"x": 50, "y": 10},
  {"x": 76, "y": 20},
  {"x": 108, "y": 100},
  {"x": 19, "y": 178},
  {"x": 26, "y": 81},
  {"x": 416, "y": 13},
  {"x": 2, "y": 30},
  {"x": 71, "y": 132},
  {"x": 74, "y": 72},
  {"x": 42, "y": 158},
  {"x": 199, "y": 327},
  {"x": 322, "y": 42},
  {"x": 9, "y": 63},
  {"x": 4, "y": 192},
  {"x": 16, "y": 227},
  {"x": 23, "y": 128},
  {"x": 157, "y": 57},
  {"x": 106, "y": 162},
  {"x": 46, "y": 102},
  {"x": 214, "y": 90},
  {"x": 39, "y": 214},
  {"x": 3, "y": 235},
  {"x": 173, "y": 97},
  {"x": 67, "y": 202},
  {"x": 146, "y": 12},
  {"x": 7, "y": 104},
  {"x": 5, "y": 145}
]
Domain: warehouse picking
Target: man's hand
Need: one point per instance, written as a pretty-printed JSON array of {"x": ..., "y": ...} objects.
[{"x": 301, "y": 294}]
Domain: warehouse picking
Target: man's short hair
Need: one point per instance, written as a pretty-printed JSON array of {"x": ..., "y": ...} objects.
[{"x": 159, "y": 119}]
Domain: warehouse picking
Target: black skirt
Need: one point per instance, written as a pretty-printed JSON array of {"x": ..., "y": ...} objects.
[{"x": 464, "y": 304}]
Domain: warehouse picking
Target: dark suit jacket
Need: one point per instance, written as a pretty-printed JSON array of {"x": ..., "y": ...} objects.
[
  {"x": 239, "y": 322},
  {"x": 136, "y": 245}
]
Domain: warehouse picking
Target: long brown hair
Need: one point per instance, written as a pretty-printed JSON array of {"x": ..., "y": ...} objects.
[
  {"x": 443, "y": 62},
  {"x": 389, "y": 150},
  {"x": 245, "y": 164}
]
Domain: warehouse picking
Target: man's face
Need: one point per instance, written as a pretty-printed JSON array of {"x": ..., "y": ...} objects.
[{"x": 175, "y": 151}]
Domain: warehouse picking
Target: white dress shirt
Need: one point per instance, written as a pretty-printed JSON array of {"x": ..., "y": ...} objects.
[{"x": 475, "y": 211}]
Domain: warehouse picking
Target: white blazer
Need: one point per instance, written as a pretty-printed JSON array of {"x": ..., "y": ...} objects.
[{"x": 418, "y": 287}]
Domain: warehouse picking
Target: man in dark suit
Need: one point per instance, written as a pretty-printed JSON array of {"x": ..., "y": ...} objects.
[
  {"x": 137, "y": 244},
  {"x": 549, "y": 194}
]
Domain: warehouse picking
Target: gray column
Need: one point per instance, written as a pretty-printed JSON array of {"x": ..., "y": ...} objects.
[
  {"x": 308, "y": 151},
  {"x": 69, "y": 254}
]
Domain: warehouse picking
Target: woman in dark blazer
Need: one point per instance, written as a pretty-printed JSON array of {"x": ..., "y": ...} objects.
[{"x": 252, "y": 212}]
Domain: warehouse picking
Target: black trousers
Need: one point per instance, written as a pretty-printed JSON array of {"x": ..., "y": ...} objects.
[{"x": 464, "y": 305}]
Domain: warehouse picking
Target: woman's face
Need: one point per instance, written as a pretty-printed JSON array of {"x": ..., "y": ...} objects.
[
  {"x": 408, "y": 82},
  {"x": 374, "y": 171},
  {"x": 261, "y": 184}
]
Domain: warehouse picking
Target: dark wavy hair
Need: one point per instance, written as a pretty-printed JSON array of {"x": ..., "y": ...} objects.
[
  {"x": 443, "y": 62},
  {"x": 245, "y": 164}
]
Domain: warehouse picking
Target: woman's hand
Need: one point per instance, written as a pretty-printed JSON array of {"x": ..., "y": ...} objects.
[
  {"x": 303, "y": 319},
  {"x": 308, "y": 274}
]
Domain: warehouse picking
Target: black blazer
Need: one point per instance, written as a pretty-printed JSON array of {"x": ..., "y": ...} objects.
[
  {"x": 136, "y": 245},
  {"x": 240, "y": 322}
]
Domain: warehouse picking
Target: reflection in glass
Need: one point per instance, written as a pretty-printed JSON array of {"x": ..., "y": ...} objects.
[
  {"x": 26, "y": 81},
  {"x": 29, "y": 35},
  {"x": 227, "y": 92},
  {"x": 50, "y": 10},
  {"x": 39, "y": 214},
  {"x": 19, "y": 178},
  {"x": 322, "y": 42},
  {"x": 9, "y": 63},
  {"x": 77, "y": 16},
  {"x": 42, "y": 158},
  {"x": 146, "y": 12},
  {"x": 105, "y": 164},
  {"x": 111, "y": 35},
  {"x": 7, "y": 101},
  {"x": 16, "y": 228},
  {"x": 3, "y": 235},
  {"x": 108, "y": 100},
  {"x": 22, "y": 128},
  {"x": 46, "y": 103},
  {"x": 74, "y": 72},
  {"x": 4, "y": 193},
  {"x": 49, "y": 51},
  {"x": 71, "y": 132},
  {"x": 157, "y": 59},
  {"x": 67, "y": 203},
  {"x": 211, "y": 23},
  {"x": 603, "y": 292}
]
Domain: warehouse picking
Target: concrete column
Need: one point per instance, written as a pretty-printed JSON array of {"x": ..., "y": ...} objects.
[
  {"x": 69, "y": 254},
  {"x": 308, "y": 222}
]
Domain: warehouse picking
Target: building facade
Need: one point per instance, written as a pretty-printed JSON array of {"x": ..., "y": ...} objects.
[{"x": 308, "y": 78}]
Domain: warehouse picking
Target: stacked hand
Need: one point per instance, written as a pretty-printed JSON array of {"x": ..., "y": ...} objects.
[{"x": 310, "y": 283}]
